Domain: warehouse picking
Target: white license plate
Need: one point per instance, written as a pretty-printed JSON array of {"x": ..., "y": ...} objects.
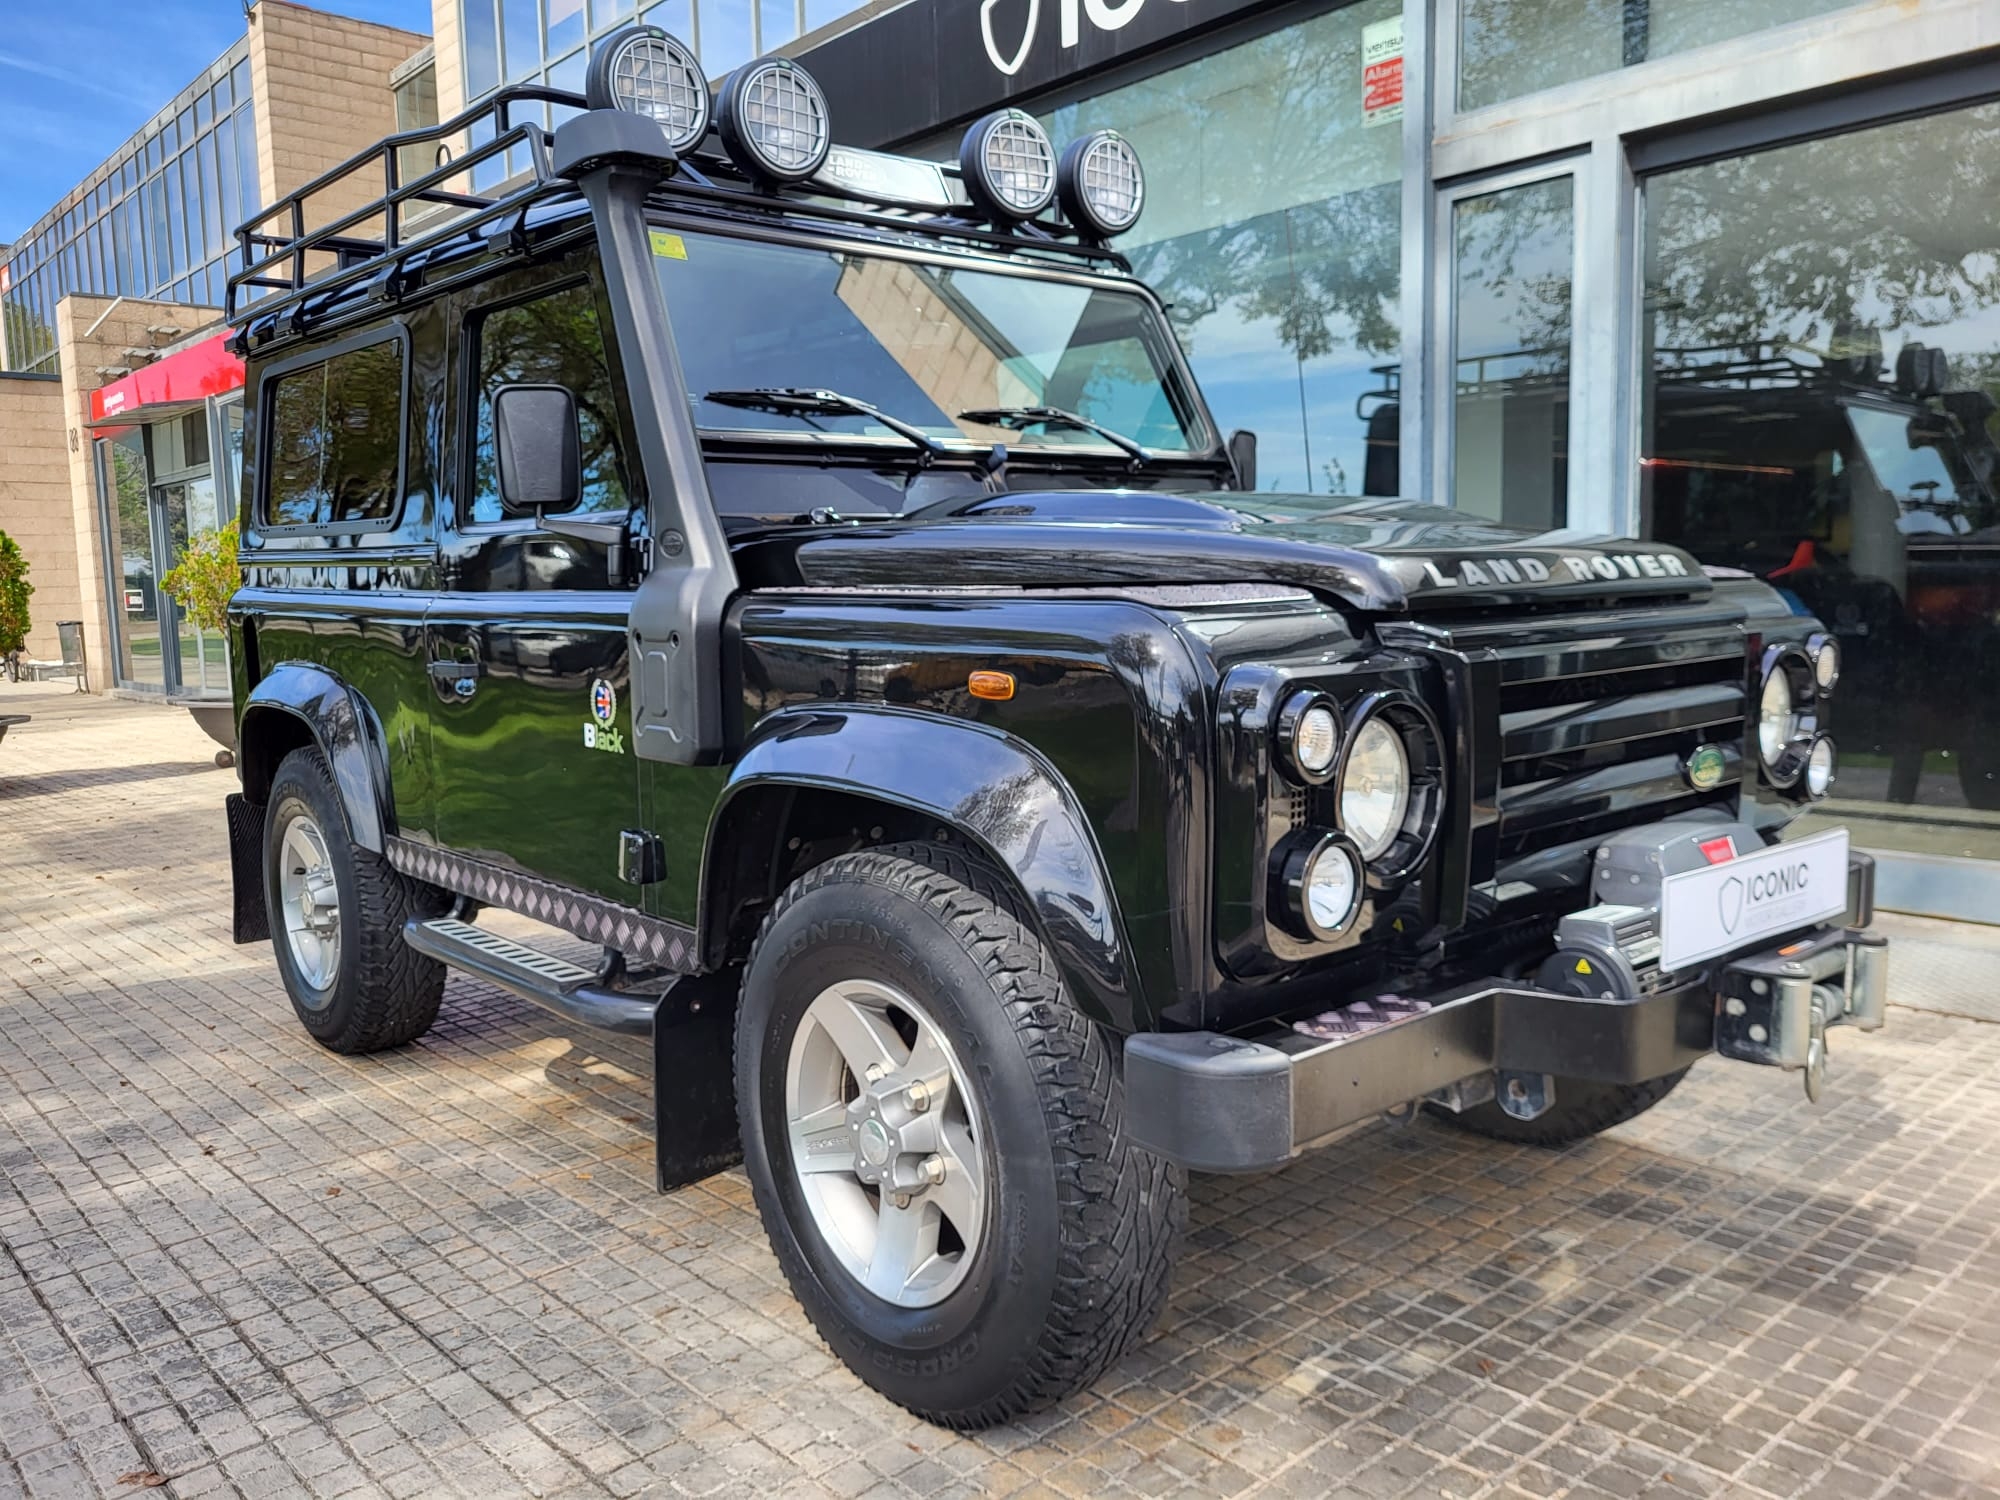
[{"x": 1721, "y": 908}]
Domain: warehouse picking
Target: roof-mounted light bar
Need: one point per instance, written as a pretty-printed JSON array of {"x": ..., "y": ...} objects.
[{"x": 645, "y": 70}]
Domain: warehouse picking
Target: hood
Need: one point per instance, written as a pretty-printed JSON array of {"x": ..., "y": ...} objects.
[{"x": 1386, "y": 555}]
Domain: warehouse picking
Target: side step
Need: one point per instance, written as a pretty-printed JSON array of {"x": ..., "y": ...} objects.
[{"x": 553, "y": 983}]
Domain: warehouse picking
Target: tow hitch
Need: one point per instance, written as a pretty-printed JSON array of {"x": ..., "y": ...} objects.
[{"x": 1775, "y": 1008}]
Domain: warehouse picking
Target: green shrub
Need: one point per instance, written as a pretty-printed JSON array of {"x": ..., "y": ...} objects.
[
  {"x": 207, "y": 574},
  {"x": 14, "y": 591}
]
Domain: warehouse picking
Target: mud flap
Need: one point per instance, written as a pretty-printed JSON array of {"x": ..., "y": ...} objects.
[
  {"x": 250, "y": 922},
  {"x": 694, "y": 1079}
]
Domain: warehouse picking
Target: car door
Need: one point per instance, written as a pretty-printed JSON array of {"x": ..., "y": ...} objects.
[{"x": 531, "y": 736}]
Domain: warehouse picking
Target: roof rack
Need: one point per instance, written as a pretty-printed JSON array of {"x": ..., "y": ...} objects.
[{"x": 288, "y": 260}]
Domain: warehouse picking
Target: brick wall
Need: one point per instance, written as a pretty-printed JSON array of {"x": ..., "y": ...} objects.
[
  {"x": 123, "y": 326},
  {"x": 35, "y": 502},
  {"x": 321, "y": 85}
]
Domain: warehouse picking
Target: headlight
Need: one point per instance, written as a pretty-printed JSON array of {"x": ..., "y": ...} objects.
[
  {"x": 1825, "y": 653},
  {"x": 1321, "y": 876},
  {"x": 773, "y": 120},
  {"x": 1777, "y": 716},
  {"x": 1308, "y": 737},
  {"x": 1008, "y": 165},
  {"x": 1375, "y": 787},
  {"x": 648, "y": 72},
  {"x": 1819, "y": 767},
  {"x": 1101, "y": 184}
]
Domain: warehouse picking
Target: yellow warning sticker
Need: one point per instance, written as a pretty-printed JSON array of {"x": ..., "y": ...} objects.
[
  {"x": 1397, "y": 924},
  {"x": 1583, "y": 966},
  {"x": 668, "y": 246}
]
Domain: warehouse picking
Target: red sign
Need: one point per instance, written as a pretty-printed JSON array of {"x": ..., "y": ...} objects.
[
  {"x": 204, "y": 369},
  {"x": 1382, "y": 71}
]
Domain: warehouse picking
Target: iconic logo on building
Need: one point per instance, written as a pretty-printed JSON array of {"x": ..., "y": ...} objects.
[
  {"x": 1567, "y": 567},
  {"x": 601, "y": 733},
  {"x": 1705, "y": 768},
  {"x": 1104, "y": 15}
]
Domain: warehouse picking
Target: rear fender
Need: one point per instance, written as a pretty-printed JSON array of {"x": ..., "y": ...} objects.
[
  {"x": 298, "y": 703},
  {"x": 991, "y": 789}
]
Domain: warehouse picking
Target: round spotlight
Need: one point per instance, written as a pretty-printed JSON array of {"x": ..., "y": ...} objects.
[
  {"x": 1009, "y": 165},
  {"x": 1819, "y": 767},
  {"x": 1322, "y": 885},
  {"x": 1825, "y": 653},
  {"x": 1308, "y": 737},
  {"x": 1375, "y": 787},
  {"x": 1101, "y": 184},
  {"x": 1777, "y": 714},
  {"x": 649, "y": 72},
  {"x": 773, "y": 120}
]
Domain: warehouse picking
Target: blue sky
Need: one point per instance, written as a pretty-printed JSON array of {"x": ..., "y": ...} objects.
[{"x": 79, "y": 76}]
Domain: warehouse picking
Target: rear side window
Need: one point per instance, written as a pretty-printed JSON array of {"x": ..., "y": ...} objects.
[
  {"x": 554, "y": 340},
  {"x": 336, "y": 444}
]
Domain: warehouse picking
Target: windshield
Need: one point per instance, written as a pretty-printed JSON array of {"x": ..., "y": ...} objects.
[
  {"x": 1913, "y": 472},
  {"x": 919, "y": 341}
]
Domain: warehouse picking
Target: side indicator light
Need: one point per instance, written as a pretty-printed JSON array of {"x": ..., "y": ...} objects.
[{"x": 998, "y": 686}]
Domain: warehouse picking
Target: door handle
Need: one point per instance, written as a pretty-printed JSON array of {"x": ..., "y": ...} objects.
[{"x": 461, "y": 678}]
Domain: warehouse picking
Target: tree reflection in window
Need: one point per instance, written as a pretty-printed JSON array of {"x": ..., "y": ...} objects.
[
  {"x": 336, "y": 439},
  {"x": 554, "y": 340}
]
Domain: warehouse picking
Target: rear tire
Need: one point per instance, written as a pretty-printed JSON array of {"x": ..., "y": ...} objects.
[
  {"x": 1044, "y": 1243},
  {"x": 1580, "y": 1110},
  {"x": 337, "y": 913}
]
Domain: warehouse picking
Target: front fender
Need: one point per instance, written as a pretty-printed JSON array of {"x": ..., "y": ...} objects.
[
  {"x": 335, "y": 718},
  {"x": 990, "y": 788}
]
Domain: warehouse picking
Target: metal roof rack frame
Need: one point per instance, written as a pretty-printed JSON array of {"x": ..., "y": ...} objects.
[{"x": 276, "y": 260}]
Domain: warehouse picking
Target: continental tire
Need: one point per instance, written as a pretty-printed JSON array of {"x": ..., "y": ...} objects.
[
  {"x": 1580, "y": 1110},
  {"x": 1041, "y": 1247},
  {"x": 337, "y": 914}
]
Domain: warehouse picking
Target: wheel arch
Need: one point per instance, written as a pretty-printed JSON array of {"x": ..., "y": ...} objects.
[
  {"x": 814, "y": 783},
  {"x": 299, "y": 704}
]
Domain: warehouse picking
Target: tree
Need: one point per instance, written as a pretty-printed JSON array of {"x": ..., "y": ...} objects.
[
  {"x": 207, "y": 574},
  {"x": 14, "y": 591}
]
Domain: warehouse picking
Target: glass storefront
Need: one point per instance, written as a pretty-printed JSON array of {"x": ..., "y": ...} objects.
[
  {"x": 1507, "y": 48},
  {"x": 1511, "y": 279},
  {"x": 158, "y": 489},
  {"x": 1823, "y": 366},
  {"x": 1273, "y": 230}
]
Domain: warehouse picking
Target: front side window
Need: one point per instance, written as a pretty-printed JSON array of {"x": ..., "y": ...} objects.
[
  {"x": 919, "y": 341},
  {"x": 337, "y": 439},
  {"x": 553, "y": 340}
]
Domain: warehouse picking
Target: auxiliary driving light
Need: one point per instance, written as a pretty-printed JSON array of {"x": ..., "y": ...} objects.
[
  {"x": 1101, "y": 184},
  {"x": 1825, "y": 653},
  {"x": 1321, "y": 876},
  {"x": 647, "y": 71},
  {"x": 1784, "y": 722},
  {"x": 1008, "y": 165},
  {"x": 773, "y": 120},
  {"x": 1308, "y": 737},
  {"x": 1819, "y": 768}
]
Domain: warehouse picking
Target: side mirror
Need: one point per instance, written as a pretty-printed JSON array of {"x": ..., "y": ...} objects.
[
  {"x": 1243, "y": 456},
  {"x": 536, "y": 449}
]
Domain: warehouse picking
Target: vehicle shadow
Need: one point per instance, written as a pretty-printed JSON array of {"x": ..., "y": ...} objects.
[{"x": 53, "y": 783}]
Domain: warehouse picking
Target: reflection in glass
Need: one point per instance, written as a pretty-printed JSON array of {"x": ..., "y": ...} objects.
[
  {"x": 1824, "y": 368},
  {"x": 1511, "y": 259},
  {"x": 1273, "y": 232},
  {"x": 1507, "y": 48},
  {"x": 138, "y": 603}
]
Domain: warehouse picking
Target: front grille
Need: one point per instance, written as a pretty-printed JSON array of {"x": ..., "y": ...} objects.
[{"x": 1598, "y": 714}]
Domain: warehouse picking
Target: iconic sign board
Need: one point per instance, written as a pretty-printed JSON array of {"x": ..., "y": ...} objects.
[
  {"x": 956, "y": 59},
  {"x": 1729, "y": 905}
]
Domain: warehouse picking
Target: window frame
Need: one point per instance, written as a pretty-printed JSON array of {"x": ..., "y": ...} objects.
[
  {"x": 397, "y": 333},
  {"x": 471, "y": 331}
]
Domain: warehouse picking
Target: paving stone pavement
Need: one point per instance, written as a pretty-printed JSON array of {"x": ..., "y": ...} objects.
[{"x": 235, "y": 1260}]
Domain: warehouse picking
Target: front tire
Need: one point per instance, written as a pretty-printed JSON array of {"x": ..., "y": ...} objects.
[
  {"x": 337, "y": 913},
  {"x": 1580, "y": 1110},
  {"x": 1036, "y": 1243}
]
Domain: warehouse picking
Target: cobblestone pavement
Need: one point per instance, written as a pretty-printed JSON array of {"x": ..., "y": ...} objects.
[{"x": 237, "y": 1261}]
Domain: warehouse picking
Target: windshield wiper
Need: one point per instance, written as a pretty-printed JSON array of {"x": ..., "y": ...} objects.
[
  {"x": 1015, "y": 418},
  {"x": 799, "y": 401}
]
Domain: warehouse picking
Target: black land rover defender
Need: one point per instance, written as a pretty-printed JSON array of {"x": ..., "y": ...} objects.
[{"x": 813, "y": 577}]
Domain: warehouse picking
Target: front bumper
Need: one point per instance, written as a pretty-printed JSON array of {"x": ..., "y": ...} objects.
[{"x": 1245, "y": 1104}]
